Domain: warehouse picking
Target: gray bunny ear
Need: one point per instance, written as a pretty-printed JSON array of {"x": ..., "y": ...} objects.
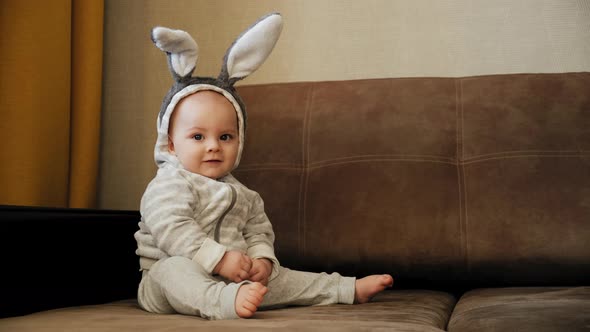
[
  {"x": 181, "y": 48},
  {"x": 252, "y": 48}
]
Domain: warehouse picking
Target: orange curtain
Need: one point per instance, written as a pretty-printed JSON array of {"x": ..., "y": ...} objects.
[{"x": 50, "y": 101}]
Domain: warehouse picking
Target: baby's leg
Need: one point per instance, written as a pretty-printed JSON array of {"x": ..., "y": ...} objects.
[
  {"x": 177, "y": 284},
  {"x": 368, "y": 287},
  {"x": 292, "y": 287}
]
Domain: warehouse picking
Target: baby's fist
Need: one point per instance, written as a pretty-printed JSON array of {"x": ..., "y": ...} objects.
[
  {"x": 261, "y": 270},
  {"x": 234, "y": 266}
]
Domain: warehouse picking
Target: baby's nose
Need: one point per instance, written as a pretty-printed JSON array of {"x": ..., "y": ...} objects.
[{"x": 213, "y": 145}]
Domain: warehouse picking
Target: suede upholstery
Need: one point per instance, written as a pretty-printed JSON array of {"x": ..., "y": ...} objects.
[
  {"x": 441, "y": 179},
  {"x": 474, "y": 193},
  {"x": 509, "y": 309},
  {"x": 408, "y": 311}
]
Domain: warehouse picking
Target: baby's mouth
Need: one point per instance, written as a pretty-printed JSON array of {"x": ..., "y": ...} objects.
[{"x": 213, "y": 161}]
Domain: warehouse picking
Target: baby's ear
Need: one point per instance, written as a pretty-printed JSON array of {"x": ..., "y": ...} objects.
[
  {"x": 251, "y": 48},
  {"x": 171, "y": 146},
  {"x": 181, "y": 48}
]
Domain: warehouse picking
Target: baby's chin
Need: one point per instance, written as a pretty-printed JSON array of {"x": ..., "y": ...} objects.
[
  {"x": 213, "y": 175},
  {"x": 212, "y": 170}
]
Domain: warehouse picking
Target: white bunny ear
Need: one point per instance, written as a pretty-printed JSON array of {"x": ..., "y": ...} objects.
[
  {"x": 181, "y": 48},
  {"x": 252, "y": 48}
]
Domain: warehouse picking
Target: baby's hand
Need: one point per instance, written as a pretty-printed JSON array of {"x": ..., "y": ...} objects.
[
  {"x": 234, "y": 266},
  {"x": 261, "y": 270}
]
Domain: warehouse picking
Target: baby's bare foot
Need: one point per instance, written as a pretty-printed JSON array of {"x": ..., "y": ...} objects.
[
  {"x": 368, "y": 287},
  {"x": 249, "y": 299}
]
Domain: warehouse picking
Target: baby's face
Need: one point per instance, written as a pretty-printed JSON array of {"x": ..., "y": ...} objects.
[{"x": 203, "y": 134}]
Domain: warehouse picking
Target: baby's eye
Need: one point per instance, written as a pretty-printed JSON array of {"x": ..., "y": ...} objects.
[
  {"x": 198, "y": 137},
  {"x": 225, "y": 137}
]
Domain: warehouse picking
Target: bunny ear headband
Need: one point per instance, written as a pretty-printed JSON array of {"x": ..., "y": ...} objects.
[{"x": 243, "y": 57}]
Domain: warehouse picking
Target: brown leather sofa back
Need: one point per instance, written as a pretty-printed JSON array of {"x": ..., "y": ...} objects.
[{"x": 477, "y": 179}]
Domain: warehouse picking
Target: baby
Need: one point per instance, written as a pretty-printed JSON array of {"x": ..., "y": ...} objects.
[{"x": 205, "y": 243}]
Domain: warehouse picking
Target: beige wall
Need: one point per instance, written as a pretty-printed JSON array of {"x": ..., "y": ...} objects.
[{"x": 321, "y": 40}]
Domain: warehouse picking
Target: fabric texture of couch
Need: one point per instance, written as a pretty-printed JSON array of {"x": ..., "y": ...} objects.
[{"x": 473, "y": 192}]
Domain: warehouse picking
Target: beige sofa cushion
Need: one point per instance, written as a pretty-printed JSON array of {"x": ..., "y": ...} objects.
[
  {"x": 411, "y": 310},
  {"x": 523, "y": 309}
]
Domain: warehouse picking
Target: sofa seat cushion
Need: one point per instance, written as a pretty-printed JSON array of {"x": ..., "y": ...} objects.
[
  {"x": 407, "y": 310},
  {"x": 523, "y": 309}
]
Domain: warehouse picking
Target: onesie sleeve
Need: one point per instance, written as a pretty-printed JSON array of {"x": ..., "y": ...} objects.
[
  {"x": 259, "y": 234},
  {"x": 167, "y": 209}
]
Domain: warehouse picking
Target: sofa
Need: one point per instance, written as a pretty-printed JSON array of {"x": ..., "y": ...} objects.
[{"x": 473, "y": 192}]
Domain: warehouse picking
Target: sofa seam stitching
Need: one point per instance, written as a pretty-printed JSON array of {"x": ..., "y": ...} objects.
[
  {"x": 539, "y": 154},
  {"x": 462, "y": 175},
  {"x": 426, "y": 158},
  {"x": 419, "y": 158},
  {"x": 305, "y": 171}
]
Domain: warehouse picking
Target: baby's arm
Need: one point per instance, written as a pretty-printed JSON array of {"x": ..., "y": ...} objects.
[
  {"x": 167, "y": 209},
  {"x": 260, "y": 238}
]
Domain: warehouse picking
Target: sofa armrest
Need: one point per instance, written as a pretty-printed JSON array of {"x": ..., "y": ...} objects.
[{"x": 56, "y": 257}]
